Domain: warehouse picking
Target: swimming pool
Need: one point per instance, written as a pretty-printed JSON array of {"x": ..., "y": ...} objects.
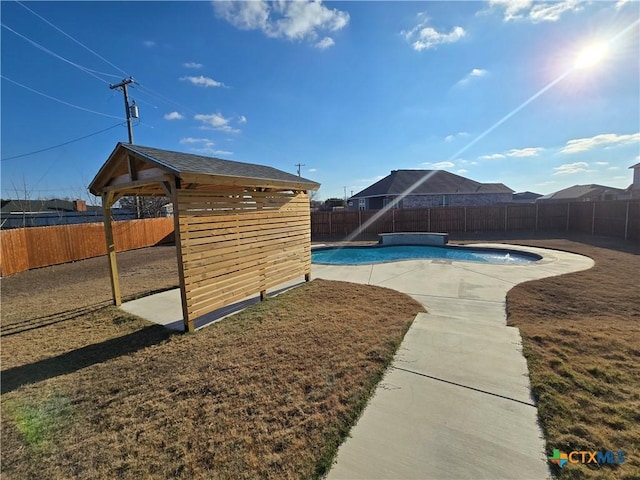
[{"x": 378, "y": 254}]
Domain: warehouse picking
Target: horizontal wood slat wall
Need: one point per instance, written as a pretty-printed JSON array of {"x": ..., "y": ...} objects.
[{"x": 236, "y": 244}]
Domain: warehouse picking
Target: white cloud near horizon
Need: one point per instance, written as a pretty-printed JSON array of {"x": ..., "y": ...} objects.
[
  {"x": 524, "y": 152},
  {"x": 242, "y": 119},
  {"x": 607, "y": 139},
  {"x": 202, "y": 81},
  {"x": 493, "y": 156},
  {"x": 571, "y": 168},
  {"x": 423, "y": 37},
  {"x": 192, "y": 65},
  {"x": 215, "y": 121},
  {"x": 535, "y": 12},
  {"x": 439, "y": 165},
  {"x": 294, "y": 21},
  {"x": 173, "y": 116},
  {"x": 461, "y": 171}
]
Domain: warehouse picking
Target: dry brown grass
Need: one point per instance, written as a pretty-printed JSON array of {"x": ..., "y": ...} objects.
[
  {"x": 581, "y": 335},
  {"x": 268, "y": 393}
]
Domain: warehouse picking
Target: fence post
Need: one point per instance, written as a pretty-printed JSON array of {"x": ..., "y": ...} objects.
[
  {"x": 359, "y": 219},
  {"x": 593, "y": 219},
  {"x": 393, "y": 220},
  {"x": 465, "y": 219},
  {"x": 626, "y": 223},
  {"x": 428, "y": 219},
  {"x": 506, "y": 209},
  {"x": 330, "y": 232},
  {"x": 568, "y": 212}
]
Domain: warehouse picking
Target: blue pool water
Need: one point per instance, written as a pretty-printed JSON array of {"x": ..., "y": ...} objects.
[{"x": 379, "y": 254}]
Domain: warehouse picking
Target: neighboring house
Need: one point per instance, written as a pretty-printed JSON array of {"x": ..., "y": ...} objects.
[
  {"x": 525, "y": 197},
  {"x": 40, "y": 213},
  {"x": 585, "y": 193},
  {"x": 440, "y": 188},
  {"x": 634, "y": 188}
]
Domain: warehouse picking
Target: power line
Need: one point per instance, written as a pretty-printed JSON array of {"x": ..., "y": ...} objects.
[
  {"x": 57, "y": 99},
  {"x": 63, "y": 144},
  {"x": 77, "y": 41},
  {"x": 86, "y": 70}
]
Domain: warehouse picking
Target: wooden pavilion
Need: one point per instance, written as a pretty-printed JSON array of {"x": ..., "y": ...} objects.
[{"x": 240, "y": 228}]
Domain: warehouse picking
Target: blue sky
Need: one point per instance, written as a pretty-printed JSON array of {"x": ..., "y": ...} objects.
[{"x": 352, "y": 90}]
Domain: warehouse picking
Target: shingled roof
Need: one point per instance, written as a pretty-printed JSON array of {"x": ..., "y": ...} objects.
[
  {"x": 438, "y": 182},
  {"x": 179, "y": 164},
  {"x": 577, "y": 192}
]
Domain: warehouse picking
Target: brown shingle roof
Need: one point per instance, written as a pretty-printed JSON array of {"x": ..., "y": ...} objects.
[{"x": 436, "y": 182}]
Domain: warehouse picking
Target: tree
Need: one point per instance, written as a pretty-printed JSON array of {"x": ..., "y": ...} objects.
[
  {"x": 150, "y": 207},
  {"x": 330, "y": 203}
]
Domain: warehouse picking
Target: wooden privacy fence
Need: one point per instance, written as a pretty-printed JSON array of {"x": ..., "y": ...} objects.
[
  {"x": 26, "y": 248},
  {"x": 619, "y": 218}
]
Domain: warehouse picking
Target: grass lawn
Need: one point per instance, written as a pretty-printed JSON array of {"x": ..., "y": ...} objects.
[
  {"x": 268, "y": 393},
  {"x": 581, "y": 336}
]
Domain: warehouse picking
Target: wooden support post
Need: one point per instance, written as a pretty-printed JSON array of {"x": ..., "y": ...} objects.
[
  {"x": 263, "y": 295},
  {"x": 307, "y": 277},
  {"x": 189, "y": 324},
  {"x": 107, "y": 201}
]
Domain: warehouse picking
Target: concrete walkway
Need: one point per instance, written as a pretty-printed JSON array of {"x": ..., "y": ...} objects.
[{"x": 456, "y": 403}]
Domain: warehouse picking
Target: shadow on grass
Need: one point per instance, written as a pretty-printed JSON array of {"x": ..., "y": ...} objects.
[
  {"x": 16, "y": 377},
  {"x": 46, "y": 320}
]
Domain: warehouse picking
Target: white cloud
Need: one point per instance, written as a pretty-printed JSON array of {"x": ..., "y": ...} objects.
[
  {"x": 551, "y": 12},
  {"x": 571, "y": 168},
  {"x": 194, "y": 140},
  {"x": 440, "y": 165},
  {"x": 312, "y": 170},
  {"x": 535, "y": 11},
  {"x": 202, "y": 81},
  {"x": 493, "y": 156},
  {"x": 475, "y": 73},
  {"x": 621, "y": 3},
  {"x": 524, "y": 152},
  {"x": 300, "y": 20},
  {"x": 149, "y": 43},
  {"x": 326, "y": 42},
  {"x": 215, "y": 121},
  {"x": 606, "y": 139},
  {"x": 601, "y": 163},
  {"x": 545, "y": 184},
  {"x": 461, "y": 171},
  {"x": 242, "y": 119},
  {"x": 453, "y": 136},
  {"x": 423, "y": 37},
  {"x": 192, "y": 65},
  {"x": 173, "y": 116},
  {"x": 613, "y": 168}
]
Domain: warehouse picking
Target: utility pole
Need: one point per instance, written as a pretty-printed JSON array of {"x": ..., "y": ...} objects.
[
  {"x": 299, "y": 165},
  {"x": 127, "y": 108},
  {"x": 345, "y": 196}
]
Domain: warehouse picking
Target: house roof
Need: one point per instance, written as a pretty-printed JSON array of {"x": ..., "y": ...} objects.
[
  {"x": 436, "y": 182},
  {"x": 580, "y": 191},
  {"x": 193, "y": 166},
  {"x": 54, "y": 205},
  {"x": 525, "y": 196},
  {"x": 637, "y": 165}
]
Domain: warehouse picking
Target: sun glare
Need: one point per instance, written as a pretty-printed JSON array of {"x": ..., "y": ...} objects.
[{"x": 591, "y": 55}]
